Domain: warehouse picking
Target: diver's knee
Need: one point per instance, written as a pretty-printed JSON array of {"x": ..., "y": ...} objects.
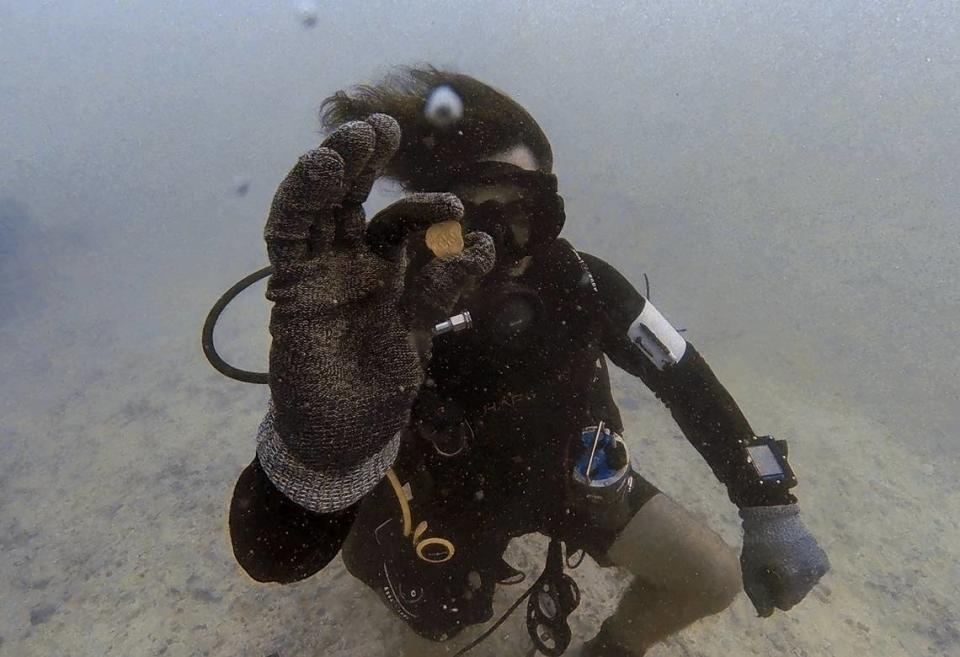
[
  {"x": 720, "y": 584},
  {"x": 668, "y": 548}
]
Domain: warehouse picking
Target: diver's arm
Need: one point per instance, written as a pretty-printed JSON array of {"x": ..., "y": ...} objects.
[
  {"x": 703, "y": 409},
  {"x": 781, "y": 561},
  {"x": 344, "y": 370}
]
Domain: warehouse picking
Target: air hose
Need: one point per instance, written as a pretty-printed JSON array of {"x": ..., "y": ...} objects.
[{"x": 210, "y": 351}]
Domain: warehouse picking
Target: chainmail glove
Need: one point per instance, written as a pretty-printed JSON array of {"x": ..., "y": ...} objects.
[
  {"x": 343, "y": 368},
  {"x": 781, "y": 561}
]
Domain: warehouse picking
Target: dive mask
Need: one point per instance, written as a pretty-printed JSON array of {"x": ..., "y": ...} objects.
[{"x": 529, "y": 221}]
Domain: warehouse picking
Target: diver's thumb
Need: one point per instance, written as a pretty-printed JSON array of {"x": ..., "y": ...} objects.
[{"x": 757, "y": 588}]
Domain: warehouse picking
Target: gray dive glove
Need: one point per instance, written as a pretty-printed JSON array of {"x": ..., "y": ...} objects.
[
  {"x": 781, "y": 561},
  {"x": 343, "y": 368}
]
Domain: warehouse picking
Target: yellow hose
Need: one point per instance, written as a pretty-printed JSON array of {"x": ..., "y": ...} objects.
[{"x": 418, "y": 545}]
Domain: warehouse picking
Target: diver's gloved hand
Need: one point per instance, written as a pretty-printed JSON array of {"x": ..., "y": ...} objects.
[
  {"x": 436, "y": 284},
  {"x": 781, "y": 561},
  {"x": 343, "y": 369}
]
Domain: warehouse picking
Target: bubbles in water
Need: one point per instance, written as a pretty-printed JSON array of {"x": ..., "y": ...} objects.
[
  {"x": 443, "y": 107},
  {"x": 308, "y": 13}
]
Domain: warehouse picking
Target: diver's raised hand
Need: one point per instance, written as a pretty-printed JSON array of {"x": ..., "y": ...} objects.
[
  {"x": 781, "y": 560},
  {"x": 437, "y": 283},
  {"x": 343, "y": 369}
]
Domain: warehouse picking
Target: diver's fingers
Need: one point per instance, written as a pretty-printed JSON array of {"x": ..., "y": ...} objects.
[
  {"x": 477, "y": 258},
  {"x": 387, "y": 131},
  {"x": 350, "y": 224},
  {"x": 390, "y": 227},
  {"x": 355, "y": 142},
  {"x": 387, "y": 140},
  {"x": 757, "y": 585},
  {"x": 795, "y": 584},
  {"x": 444, "y": 278},
  {"x": 437, "y": 287},
  {"x": 302, "y": 200}
]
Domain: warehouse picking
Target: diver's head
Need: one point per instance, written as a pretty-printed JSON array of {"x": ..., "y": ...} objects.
[{"x": 463, "y": 136}]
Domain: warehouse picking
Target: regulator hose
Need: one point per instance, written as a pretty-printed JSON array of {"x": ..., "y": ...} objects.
[{"x": 210, "y": 351}]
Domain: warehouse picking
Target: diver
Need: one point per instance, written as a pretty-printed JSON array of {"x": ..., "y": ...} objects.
[{"x": 425, "y": 409}]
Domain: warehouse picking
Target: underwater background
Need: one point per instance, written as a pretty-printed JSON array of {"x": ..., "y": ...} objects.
[{"x": 786, "y": 174}]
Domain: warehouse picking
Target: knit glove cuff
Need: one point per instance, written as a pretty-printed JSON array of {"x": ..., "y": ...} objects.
[{"x": 319, "y": 489}]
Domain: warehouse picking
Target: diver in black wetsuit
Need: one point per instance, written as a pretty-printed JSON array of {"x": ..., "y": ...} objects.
[{"x": 510, "y": 427}]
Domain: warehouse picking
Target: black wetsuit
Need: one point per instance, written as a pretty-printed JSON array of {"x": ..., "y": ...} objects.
[{"x": 521, "y": 384}]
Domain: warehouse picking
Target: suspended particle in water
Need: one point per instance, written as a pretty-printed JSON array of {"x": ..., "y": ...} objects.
[
  {"x": 241, "y": 186},
  {"x": 308, "y": 13},
  {"x": 444, "y": 107}
]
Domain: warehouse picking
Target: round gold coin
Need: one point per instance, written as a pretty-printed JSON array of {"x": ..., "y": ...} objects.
[{"x": 445, "y": 238}]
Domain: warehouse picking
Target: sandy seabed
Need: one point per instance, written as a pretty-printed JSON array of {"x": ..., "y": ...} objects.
[{"x": 117, "y": 462}]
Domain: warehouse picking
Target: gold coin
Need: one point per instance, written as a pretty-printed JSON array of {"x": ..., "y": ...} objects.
[{"x": 445, "y": 238}]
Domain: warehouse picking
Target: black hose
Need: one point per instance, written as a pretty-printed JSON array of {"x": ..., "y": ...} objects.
[
  {"x": 500, "y": 621},
  {"x": 210, "y": 351}
]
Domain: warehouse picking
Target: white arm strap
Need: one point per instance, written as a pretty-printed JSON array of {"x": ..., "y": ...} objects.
[{"x": 656, "y": 338}]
